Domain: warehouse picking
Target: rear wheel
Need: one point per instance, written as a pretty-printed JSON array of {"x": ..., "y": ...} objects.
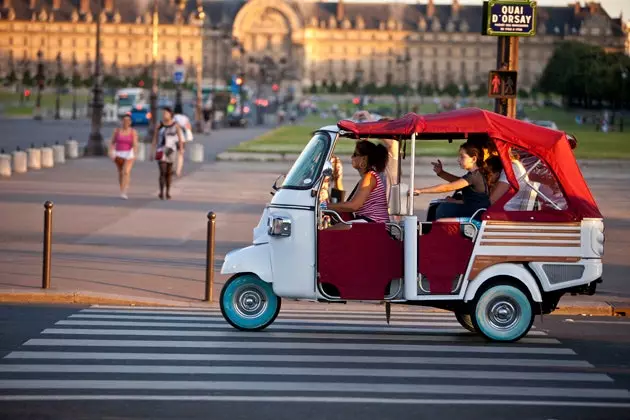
[
  {"x": 503, "y": 313},
  {"x": 465, "y": 320},
  {"x": 249, "y": 303}
]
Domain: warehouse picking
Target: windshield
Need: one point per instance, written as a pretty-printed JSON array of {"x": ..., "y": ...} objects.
[
  {"x": 126, "y": 100},
  {"x": 307, "y": 167}
]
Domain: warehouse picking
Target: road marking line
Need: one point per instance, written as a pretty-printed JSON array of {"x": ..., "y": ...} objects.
[
  {"x": 305, "y": 371},
  {"x": 274, "y": 327},
  {"x": 295, "y": 313},
  {"x": 464, "y": 338},
  {"x": 293, "y": 358},
  {"x": 300, "y": 346},
  {"x": 625, "y": 324},
  {"x": 276, "y": 322},
  {"x": 310, "y": 387},
  {"x": 289, "y": 399}
]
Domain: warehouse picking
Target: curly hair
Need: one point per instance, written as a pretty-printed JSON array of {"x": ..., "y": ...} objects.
[{"x": 377, "y": 155}]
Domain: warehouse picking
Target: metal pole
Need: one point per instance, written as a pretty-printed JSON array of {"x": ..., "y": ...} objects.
[
  {"x": 210, "y": 256},
  {"x": 48, "y": 205},
  {"x": 154, "y": 75},
  {"x": 74, "y": 87},
  {"x": 40, "y": 83},
  {"x": 507, "y": 59},
  {"x": 95, "y": 141},
  {"x": 58, "y": 85}
]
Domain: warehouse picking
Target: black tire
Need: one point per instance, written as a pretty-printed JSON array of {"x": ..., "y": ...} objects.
[
  {"x": 465, "y": 320},
  {"x": 249, "y": 303},
  {"x": 503, "y": 313}
]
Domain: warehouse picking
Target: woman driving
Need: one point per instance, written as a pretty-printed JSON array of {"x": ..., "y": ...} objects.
[{"x": 368, "y": 201}]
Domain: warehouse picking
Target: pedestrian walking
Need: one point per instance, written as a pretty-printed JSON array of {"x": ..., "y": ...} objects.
[
  {"x": 184, "y": 123},
  {"x": 167, "y": 139},
  {"x": 123, "y": 147}
]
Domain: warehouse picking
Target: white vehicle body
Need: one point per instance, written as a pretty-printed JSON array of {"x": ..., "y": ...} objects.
[{"x": 129, "y": 98}]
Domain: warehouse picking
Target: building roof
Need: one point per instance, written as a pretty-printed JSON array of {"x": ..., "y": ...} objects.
[{"x": 561, "y": 21}]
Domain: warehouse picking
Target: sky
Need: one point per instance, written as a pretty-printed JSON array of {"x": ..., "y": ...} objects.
[{"x": 613, "y": 7}]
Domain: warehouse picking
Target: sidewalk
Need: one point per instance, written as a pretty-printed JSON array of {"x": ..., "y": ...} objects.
[{"x": 144, "y": 251}]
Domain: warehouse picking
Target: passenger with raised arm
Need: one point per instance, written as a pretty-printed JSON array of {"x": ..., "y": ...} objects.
[
  {"x": 368, "y": 201},
  {"x": 474, "y": 184}
]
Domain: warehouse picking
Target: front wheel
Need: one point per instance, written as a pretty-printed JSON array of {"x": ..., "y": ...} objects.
[
  {"x": 249, "y": 303},
  {"x": 503, "y": 313}
]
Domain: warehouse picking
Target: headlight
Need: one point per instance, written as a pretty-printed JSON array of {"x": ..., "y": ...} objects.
[{"x": 279, "y": 226}]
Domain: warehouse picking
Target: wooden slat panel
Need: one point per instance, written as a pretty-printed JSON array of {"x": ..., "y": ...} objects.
[
  {"x": 521, "y": 244},
  {"x": 483, "y": 261}
]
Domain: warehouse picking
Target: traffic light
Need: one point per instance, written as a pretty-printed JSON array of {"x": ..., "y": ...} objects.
[
  {"x": 502, "y": 84},
  {"x": 275, "y": 87},
  {"x": 239, "y": 81},
  {"x": 141, "y": 83}
]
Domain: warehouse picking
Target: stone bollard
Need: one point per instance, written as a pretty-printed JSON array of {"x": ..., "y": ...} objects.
[
  {"x": 59, "y": 153},
  {"x": 48, "y": 160},
  {"x": 5, "y": 164},
  {"x": 142, "y": 152},
  {"x": 72, "y": 149},
  {"x": 196, "y": 152},
  {"x": 20, "y": 163},
  {"x": 34, "y": 158}
]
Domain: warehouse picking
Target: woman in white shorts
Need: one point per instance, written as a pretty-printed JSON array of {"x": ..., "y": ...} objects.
[{"x": 123, "y": 148}]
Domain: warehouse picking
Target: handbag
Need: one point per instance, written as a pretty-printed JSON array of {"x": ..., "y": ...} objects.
[
  {"x": 159, "y": 153},
  {"x": 189, "y": 134}
]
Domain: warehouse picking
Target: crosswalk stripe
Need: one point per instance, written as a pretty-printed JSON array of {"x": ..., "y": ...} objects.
[
  {"x": 296, "y": 358},
  {"x": 311, "y": 387},
  {"x": 274, "y": 326},
  {"x": 500, "y": 349},
  {"x": 317, "y": 400},
  {"x": 466, "y": 337},
  {"x": 277, "y": 321},
  {"x": 302, "y": 371},
  {"x": 320, "y": 310}
]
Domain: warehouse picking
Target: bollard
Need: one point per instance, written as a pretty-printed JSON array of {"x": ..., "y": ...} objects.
[
  {"x": 59, "y": 153},
  {"x": 34, "y": 158},
  {"x": 142, "y": 152},
  {"x": 196, "y": 152},
  {"x": 5, "y": 164},
  {"x": 48, "y": 205},
  {"x": 212, "y": 217},
  {"x": 19, "y": 162},
  {"x": 48, "y": 160},
  {"x": 72, "y": 149}
]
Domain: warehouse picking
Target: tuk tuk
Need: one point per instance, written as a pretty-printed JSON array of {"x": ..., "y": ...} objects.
[{"x": 495, "y": 271}]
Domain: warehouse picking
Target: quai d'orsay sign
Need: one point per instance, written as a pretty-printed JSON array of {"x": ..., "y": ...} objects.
[{"x": 509, "y": 18}]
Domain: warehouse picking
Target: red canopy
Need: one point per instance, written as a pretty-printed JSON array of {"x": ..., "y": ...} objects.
[{"x": 551, "y": 146}]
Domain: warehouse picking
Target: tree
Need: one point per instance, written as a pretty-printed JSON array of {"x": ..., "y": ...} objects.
[
  {"x": 523, "y": 94},
  {"x": 333, "y": 87},
  {"x": 313, "y": 89},
  {"x": 428, "y": 90},
  {"x": 465, "y": 89},
  {"x": 27, "y": 78},
  {"x": 481, "y": 91},
  {"x": 451, "y": 90}
]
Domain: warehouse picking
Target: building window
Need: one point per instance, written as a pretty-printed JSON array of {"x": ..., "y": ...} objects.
[
  {"x": 448, "y": 66},
  {"x": 59, "y": 42},
  {"x": 74, "y": 42},
  {"x": 42, "y": 42},
  {"x": 449, "y": 52},
  {"x": 10, "y": 40},
  {"x": 26, "y": 41},
  {"x": 435, "y": 52},
  {"x": 463, "y": 52},
  {"x": 477, "y": 65}
]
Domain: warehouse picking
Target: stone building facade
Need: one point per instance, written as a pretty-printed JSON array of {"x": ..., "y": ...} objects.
[{"x": 303, "y": 42}]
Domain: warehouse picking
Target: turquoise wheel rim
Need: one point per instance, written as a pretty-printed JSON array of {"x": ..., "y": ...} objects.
[
  {"x": 503, "y": 313},
  {"x": 249, "y": 303}
]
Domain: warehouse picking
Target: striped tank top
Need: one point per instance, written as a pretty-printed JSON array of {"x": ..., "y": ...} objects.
[{"x": 375, "y": 207}]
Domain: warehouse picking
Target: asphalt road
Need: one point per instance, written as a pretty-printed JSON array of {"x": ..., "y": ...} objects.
[{"x": 80, "y": 363}]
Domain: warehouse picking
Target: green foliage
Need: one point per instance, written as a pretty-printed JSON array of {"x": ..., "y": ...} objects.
[
  {"x": 451, "y": 90},
  {"x": 465, "y": 89},
  {"x": 481, "y": 91},
  {"x": 313, "y": 89},
  {"x": 523, "y": 94},
  {"x": 587, "y": 76},
  {"x": 27, "y": 79}
]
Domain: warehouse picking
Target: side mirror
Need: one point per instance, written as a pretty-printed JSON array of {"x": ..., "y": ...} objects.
[
  {"x": 328, "y": 169},
  {"x": 275, "y": 187}
]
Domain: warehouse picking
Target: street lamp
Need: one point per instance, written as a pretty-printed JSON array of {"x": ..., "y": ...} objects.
[
  {"x": 75, "y": 82},
  {"x": 154, "y": 75},
  {"x": 404, "y": 61},
  {"x": 201, "y": 18},
  {"x": 95, "y": 141},
  {"x": 358, "y": 75},
  {"x": 40, "y": 84},
  {"x": 59, "y": 80}
]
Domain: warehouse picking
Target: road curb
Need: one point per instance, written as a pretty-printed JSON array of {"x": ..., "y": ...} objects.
[{"x": 90, "y": 298}]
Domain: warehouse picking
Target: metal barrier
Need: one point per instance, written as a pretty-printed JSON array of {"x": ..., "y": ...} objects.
[
  {"x": 210, "y": 256},
  {"x": 48, "y": 205}
]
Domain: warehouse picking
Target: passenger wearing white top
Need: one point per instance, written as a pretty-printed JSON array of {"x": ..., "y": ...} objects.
[{"x": 503, "y": 186}]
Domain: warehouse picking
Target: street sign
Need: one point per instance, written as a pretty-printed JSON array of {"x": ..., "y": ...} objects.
[
  {"x": 509, "y": 18},
  {"x": 179, "y": 73},
  {"x": 502, "y": 84}
]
